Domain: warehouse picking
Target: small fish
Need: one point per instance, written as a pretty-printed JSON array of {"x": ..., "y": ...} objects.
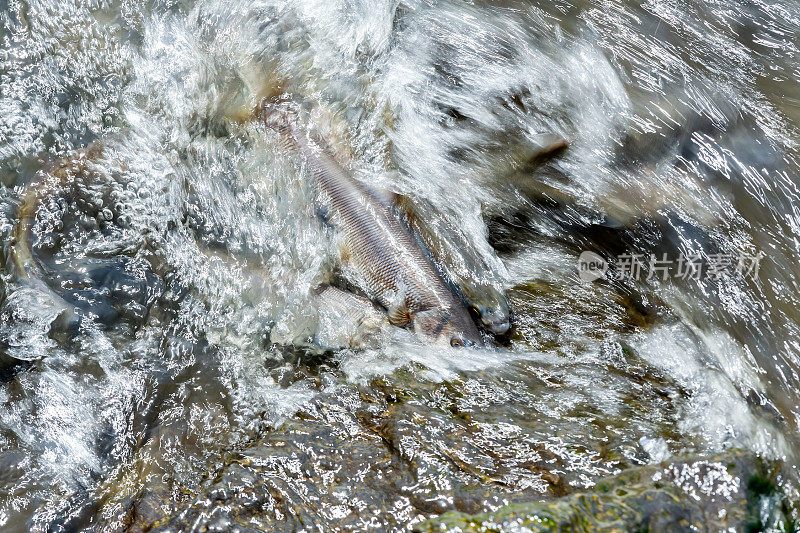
[
  {"x": 394, "y": 268},
  {"x": 346, "y": 319},
  {"x": 19, "y": 257}
]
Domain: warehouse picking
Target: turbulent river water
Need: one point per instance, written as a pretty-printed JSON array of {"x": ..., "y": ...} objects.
[{"x": 164, "y": 324}]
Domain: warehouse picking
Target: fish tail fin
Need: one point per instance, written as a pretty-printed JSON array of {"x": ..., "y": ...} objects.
[{"x": 273, "y": 115}]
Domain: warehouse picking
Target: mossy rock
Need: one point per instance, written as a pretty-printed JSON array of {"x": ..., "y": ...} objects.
[
  {"x": 724, "y": 492},
  {"x": 402, "y": 449}
]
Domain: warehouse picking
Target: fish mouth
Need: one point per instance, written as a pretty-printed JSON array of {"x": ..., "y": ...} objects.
[
  {"x": 493, "y": 320},
  {"x": 496, "y": 327}
]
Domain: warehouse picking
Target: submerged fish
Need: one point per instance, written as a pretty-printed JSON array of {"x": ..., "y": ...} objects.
[
  {"x": 394, "y": 268},
  {"x": 33, "y": 292}
]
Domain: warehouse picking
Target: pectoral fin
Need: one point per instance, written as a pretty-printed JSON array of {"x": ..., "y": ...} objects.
[
  {"x": 345, "y": 252},
  {"x": 398, "y": 310}
]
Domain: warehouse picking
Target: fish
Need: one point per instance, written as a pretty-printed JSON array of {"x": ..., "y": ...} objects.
[
  {"x": 32, "y": 291},
  {"x": 392, "y": 266}
]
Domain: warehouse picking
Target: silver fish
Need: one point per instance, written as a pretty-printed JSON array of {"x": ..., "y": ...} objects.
[{"x": 393, "y": 267}]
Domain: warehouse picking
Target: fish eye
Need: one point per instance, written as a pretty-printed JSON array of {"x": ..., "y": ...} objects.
[
  {"x": 455, "y": 342},
  {"x": 490, "y": 309}
]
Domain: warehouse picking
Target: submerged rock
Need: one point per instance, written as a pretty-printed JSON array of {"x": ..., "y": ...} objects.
[
  {"x": 732, "y": 491},
  {"x": 402, "y": 449}
]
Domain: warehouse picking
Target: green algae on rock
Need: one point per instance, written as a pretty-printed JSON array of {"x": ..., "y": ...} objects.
[
  {"x": 402, "y": 449},
  {"x": 732, "y": 491}
]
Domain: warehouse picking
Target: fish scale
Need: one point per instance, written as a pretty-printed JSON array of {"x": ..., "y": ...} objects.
[{"x": 395, "y": 270}]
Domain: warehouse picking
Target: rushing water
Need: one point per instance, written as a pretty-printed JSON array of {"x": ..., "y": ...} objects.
[{"x": 189, "y": 241}]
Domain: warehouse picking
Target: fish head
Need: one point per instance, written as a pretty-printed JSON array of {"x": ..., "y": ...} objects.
[
  {"x": 490, "y": 308},
  {"x": 447, "y": 327}
]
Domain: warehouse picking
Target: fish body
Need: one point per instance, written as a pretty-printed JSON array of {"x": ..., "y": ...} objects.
[{"x": 392, "y": 266}]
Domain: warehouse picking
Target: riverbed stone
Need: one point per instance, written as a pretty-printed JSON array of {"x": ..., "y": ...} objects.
[
  {"x": 399, "y": 451},
  {"x": 724, "y": 492}
]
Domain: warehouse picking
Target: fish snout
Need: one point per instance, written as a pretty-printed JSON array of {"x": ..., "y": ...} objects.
[
  {"x": 497, "y": 328},
  {"x": 488, "y": 307},
  {"x": 494, "y": 319}
]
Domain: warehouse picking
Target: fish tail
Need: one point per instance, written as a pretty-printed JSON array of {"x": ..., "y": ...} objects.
[
  {"x": 279, "y": 119},
  {"x": 273, "y": 116}
]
